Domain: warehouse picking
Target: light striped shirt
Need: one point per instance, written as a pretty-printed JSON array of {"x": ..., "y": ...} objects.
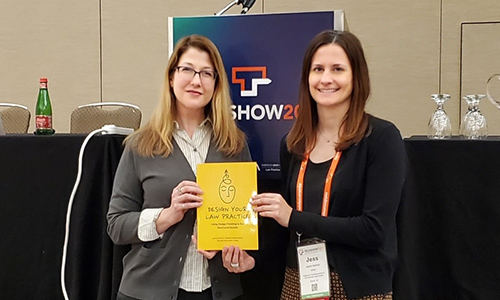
[{"x": 195, "y": 276}]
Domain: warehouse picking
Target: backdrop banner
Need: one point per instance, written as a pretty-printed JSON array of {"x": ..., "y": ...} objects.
[{"x": 263, "y": 55}]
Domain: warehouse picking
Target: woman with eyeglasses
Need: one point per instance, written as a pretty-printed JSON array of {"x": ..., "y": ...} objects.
[{"x": 155, "y": 196}]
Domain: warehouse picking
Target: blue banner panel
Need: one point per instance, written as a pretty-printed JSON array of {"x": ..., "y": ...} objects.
[{"x": 263, "y": 55}]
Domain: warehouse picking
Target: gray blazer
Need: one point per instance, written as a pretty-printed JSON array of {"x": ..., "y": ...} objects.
[{"x": 152, "y": 270}]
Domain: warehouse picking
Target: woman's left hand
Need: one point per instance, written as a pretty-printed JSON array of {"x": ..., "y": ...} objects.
[{"x": 236, "y": 260}]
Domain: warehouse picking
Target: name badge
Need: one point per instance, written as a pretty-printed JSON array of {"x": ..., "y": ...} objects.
[{"x": 314, "y": 272}]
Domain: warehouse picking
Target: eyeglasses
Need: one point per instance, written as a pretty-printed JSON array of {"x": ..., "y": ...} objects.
[{"x": 189, "y": 73}]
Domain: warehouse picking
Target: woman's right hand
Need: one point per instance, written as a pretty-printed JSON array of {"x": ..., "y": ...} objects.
[
  {"x": 272, "y": 205},
  {"x": 185, "y": 196}
]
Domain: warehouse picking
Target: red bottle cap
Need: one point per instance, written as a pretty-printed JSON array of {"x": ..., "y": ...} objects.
[{"x": 43, "y": 79}]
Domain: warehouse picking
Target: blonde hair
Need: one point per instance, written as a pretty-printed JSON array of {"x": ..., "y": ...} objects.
[{"x": 155, "y": 137}]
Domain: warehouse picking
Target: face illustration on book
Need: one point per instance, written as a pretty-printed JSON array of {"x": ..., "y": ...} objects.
[{"x": 227, "y": 191}]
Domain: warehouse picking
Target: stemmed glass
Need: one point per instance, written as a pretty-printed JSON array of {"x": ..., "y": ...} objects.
[
  {"x": 493, "y": 89},
  {"x": 474, "y": 123},
  {"x": 439, "y": 126}
]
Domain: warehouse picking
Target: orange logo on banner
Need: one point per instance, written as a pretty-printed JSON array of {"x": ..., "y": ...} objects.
[{"x": 263, "y": 80}]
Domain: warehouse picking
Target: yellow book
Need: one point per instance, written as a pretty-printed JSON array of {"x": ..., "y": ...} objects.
[{"x": 226, "y": 216}]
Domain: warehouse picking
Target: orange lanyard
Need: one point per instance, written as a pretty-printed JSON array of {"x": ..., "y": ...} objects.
[{"x": 328, "y": 184}]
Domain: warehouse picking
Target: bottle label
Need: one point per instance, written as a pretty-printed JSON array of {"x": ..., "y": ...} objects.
[
  {"x": 43, "y": 122},
  {"x": 43, "y": 85}
]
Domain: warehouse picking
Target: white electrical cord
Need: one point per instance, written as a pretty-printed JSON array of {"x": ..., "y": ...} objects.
[
  {"x": 68, "y": 213},
  {"x": 106, "y": 129}
]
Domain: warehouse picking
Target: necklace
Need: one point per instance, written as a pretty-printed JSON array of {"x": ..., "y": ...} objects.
[{"x": 323, "y": 136}]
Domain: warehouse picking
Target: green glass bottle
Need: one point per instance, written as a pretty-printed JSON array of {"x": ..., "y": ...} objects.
[{"x": 43, "y": 110}]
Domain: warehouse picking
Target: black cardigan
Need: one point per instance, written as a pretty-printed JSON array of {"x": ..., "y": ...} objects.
[{"x": 360, "y": 230}]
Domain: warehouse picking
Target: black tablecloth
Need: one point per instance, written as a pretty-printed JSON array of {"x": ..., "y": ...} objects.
[
  {"x": 37, "y": 175},
  {"x": 449, "y": 227},
  {"x": 449, "y": 221}
]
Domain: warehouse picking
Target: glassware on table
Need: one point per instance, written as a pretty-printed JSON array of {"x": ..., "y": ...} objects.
[
  {"x": 439, "y": 126},
  {"x": 493, "y": 89},
  {"x": 474, "y": 123}
]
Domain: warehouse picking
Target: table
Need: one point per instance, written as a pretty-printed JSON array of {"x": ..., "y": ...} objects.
[
  {"x": 449, "y": 228},
  {"x": 449, "y": 221},
  {"x": 37, "y": 174}
]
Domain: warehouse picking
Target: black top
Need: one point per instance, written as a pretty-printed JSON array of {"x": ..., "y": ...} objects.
[
  {"x": 314, "y": 183},
  {"x": 360, "y": 230}
]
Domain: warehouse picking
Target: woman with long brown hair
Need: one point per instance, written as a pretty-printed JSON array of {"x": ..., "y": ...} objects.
[{"x": 343, "y": 173}]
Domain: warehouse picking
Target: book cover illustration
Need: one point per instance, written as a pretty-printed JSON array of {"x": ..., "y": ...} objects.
[{"x": 226, "y": 216}]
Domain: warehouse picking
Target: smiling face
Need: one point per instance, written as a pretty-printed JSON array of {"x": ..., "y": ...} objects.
[
  {"x": 193, "y": 91},
  {"x": 330, "y": 77}
]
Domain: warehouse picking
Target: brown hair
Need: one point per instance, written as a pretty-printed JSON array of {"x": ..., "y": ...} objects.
[
  {"x": 155, "y": 138},
  {"x": 302, "y": 137}
]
